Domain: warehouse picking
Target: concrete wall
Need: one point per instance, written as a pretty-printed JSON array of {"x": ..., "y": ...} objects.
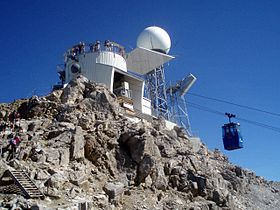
[
  {"x": 95, "y": 64},
  {"x": 146, "y": 106},
  {"x": 111, "y": 59},
  {"x": 136, "y": 87}
]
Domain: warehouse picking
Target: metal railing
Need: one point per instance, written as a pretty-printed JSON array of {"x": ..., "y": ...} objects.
[{"x": 82, "y": 48}]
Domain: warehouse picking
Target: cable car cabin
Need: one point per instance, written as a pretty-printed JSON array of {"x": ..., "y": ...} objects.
[{"x": 232, "y": 137}]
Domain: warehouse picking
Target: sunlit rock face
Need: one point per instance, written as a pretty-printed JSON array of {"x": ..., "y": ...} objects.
[{"x": 78, "y": 145}]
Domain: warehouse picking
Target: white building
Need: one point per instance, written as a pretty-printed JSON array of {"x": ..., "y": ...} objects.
[{"x": 110, "y": 65}]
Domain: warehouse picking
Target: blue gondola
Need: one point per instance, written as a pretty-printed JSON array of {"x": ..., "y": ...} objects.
[{"x": 232, "y": 137}]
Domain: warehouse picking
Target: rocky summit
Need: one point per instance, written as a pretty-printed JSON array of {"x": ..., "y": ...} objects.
[{"x": 82, "y": 151}]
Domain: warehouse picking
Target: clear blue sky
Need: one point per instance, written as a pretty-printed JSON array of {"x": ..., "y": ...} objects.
[{"x": 231, "y": 46}]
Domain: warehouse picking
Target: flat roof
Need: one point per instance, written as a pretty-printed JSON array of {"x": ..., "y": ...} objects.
[
  {"x": 142, "y": 61},
  {"x": 129, "y": 75}
]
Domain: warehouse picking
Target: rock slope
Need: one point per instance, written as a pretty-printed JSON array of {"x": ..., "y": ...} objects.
[{"x": 78, "y": 146}]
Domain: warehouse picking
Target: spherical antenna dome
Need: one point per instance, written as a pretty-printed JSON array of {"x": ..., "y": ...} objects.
[{"x": 154, "y": 38}]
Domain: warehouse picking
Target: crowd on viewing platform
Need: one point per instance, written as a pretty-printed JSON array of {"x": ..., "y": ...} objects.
[{"x": 82, "y": 48}]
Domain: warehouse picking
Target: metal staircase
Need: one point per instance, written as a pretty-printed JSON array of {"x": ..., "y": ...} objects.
[{"x": 24, "y": 183}]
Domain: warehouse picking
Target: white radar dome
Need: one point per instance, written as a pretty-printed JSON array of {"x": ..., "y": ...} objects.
[{"x": 154, "y": 38}]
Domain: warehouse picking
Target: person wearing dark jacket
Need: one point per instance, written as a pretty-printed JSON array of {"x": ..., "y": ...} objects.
[{"x": 13, "y": 144}]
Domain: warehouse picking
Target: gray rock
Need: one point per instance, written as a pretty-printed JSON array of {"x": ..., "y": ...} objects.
[
  {"x": 52, "y": 156},
  {"x": 56, "y": 181},
  {"x": 77, "y": 145},
  {"x": 79, "y": 139},
  {"x": 73, "y": 92},
  {"x": 2, "y": 114},
  {"x": 158, "y": 177},
  {"x": 145, "y": 168},
  {"x": 41, "y": 175},
  {"x": 64, "y": 156},
  {"x": 114, "y": 190},
  {"x": 54, "y": 96},
  {"x": 181, "y": 132},
  {"x": 34, "y": 125}
]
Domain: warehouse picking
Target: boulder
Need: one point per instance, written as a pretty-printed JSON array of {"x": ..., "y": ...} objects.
[
  {"x": 145, "y": 168},
  {"x": 41, "y": 175},
  {"x": 93, "y": 149},
  {"x": 54, "y": 96},
  {"x": 64, "y": 156},
  {"x": 159, "y": 180},
  {"x": 114, "y": 190},
  {"x": 52, "y": 156},
  {"x": 77, "y": 144},
  {"x": 74, "y": 91}
]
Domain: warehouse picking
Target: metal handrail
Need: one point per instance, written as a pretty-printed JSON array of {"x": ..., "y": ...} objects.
[{"x": 92, "y": 48}]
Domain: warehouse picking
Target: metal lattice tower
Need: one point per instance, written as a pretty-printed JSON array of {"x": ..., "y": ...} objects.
[
  {"x": 156, "y": 92},
  {"x": 177, "y": 102},
  {"x": 178, "y": 110}
]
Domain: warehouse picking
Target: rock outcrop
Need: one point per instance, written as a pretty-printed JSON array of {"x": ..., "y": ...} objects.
[{"x": 78, "y": 146}]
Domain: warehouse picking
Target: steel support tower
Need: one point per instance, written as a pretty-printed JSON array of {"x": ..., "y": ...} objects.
[
  {"x": 178, "y": 109},
  {"x": 176, "y": 98},
  {"x": 155, "y": 90}
]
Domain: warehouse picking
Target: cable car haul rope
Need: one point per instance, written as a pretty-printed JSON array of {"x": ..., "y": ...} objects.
[
  {"x": 232, "y": 138},
  {"x": 235, "y": 104},
  {"x": 207, "y": 109}
]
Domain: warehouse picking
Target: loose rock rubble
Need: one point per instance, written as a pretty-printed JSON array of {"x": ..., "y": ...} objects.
[{"x": 78, "y": 146}]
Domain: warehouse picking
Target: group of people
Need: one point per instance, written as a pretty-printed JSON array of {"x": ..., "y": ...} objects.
[
  {"x": 74, "y": 51},
  {"x": 79, "y": 48},
  {"x": 94, "y": 47},
  {"x": 11, "y": 121},
  {"x": 109, "y": 46},
  {"x": 10, "y": 124},
  {"x": 14, "y": 142},
  {"x": 82, "y": 48}
]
